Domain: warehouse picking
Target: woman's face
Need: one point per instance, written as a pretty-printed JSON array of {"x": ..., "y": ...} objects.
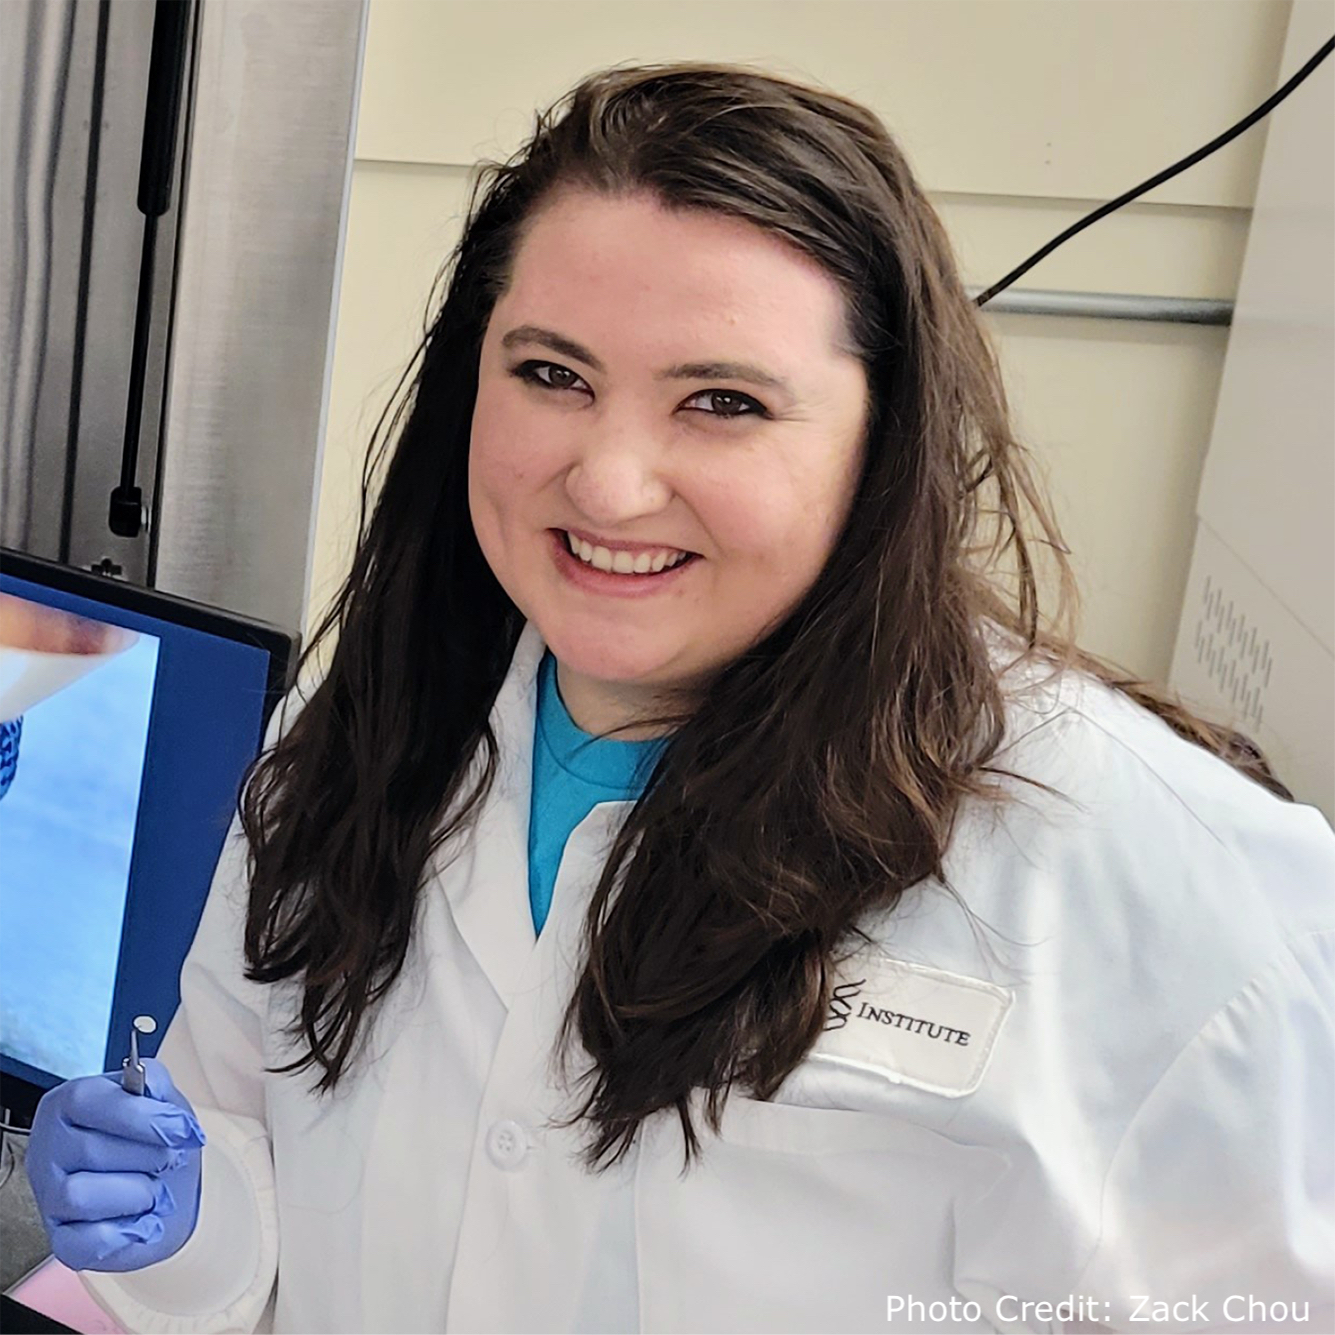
[{"x": 654, "y": 384}]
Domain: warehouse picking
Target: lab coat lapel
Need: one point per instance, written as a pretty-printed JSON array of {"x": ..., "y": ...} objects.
[
  {"x": 558, "y": 959},
  {"x": 482, "y": 894},
  {"x": 486, "y": 881}
]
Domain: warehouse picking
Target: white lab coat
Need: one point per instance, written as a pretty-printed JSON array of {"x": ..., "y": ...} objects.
[{"x": 1143, "y": 1110}]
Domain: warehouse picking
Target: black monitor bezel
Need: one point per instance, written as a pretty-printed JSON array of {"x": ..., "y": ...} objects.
[{"x": 19, "y": 1096}]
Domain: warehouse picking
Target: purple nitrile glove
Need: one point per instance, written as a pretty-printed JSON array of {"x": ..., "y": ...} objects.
[{"x": 116, "y": 1175}]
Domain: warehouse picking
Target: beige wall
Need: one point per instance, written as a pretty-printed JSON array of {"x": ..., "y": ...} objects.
[{"x": 1019, "y": 116}]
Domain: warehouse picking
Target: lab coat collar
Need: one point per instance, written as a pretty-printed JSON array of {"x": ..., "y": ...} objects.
[{"x": 486, "y": 881}]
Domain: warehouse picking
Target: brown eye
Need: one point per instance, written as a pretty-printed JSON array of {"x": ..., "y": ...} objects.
[
  {"x": 728, "y": 403},
  {"x": 547, "y": 375},
  {"x": 559, "y": 377}
]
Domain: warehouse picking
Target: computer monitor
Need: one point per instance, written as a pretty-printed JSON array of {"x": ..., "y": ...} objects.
[{"x": 127, "y": 720}]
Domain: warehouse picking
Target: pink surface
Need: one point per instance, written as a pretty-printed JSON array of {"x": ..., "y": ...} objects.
[{"x": 55, "y": 1291}]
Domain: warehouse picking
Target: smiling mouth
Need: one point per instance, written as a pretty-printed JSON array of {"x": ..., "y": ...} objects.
[{"x": 649, "y": 561}]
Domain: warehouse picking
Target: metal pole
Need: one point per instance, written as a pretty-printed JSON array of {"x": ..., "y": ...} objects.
[{"x": 1109, "y": 306}]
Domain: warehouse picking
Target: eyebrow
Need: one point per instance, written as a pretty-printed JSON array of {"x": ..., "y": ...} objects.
[{"x": 567, "y": 347}]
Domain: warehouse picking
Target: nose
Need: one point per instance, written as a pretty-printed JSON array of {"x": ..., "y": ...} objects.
[{"x": 617, "y": 478}]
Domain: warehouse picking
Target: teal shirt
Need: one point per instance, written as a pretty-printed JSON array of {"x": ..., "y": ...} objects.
[{"x": 572, "y": 772}]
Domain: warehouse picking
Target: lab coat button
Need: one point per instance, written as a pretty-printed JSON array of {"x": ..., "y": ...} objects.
[{"x": 507, "y": 1144}]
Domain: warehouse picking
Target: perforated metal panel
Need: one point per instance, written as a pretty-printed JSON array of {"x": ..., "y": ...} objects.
[
  {"x": 1246, "y": 659},
  {"x": 1256, "y": 642},
  {"x": 1233, "y": 653}
]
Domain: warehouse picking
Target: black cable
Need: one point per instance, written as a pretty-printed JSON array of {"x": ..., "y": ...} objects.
[{"x": 1167, "y": 174}]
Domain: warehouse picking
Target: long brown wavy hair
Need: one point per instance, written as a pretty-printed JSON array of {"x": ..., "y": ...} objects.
[{"x": 819, "y": 775}]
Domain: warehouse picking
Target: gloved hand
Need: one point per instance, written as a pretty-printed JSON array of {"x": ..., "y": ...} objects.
[{"x": 116, "y": 1175}]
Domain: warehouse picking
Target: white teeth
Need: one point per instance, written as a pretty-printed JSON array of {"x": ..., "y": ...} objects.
[{"x": 622, "y": 562}]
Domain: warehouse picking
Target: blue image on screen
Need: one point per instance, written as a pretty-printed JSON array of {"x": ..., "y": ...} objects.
[
  {"x": 121, "y": 788},
  {"x": 67, "y": 827}
]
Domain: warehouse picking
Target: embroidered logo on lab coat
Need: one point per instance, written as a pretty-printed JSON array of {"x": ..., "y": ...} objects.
[{"x": 914, "y": 1025}]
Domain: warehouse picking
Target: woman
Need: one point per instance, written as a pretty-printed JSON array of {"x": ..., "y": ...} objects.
[{"x": 903, "y": 969}]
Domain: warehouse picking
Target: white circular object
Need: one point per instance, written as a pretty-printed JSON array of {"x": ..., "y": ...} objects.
[{"x": 507, "y": 1144}]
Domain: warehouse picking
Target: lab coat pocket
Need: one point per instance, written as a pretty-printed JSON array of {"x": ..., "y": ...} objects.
[
  {"x": 800, "y": 1218},
  {"x": 792, "y": 1128}
]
